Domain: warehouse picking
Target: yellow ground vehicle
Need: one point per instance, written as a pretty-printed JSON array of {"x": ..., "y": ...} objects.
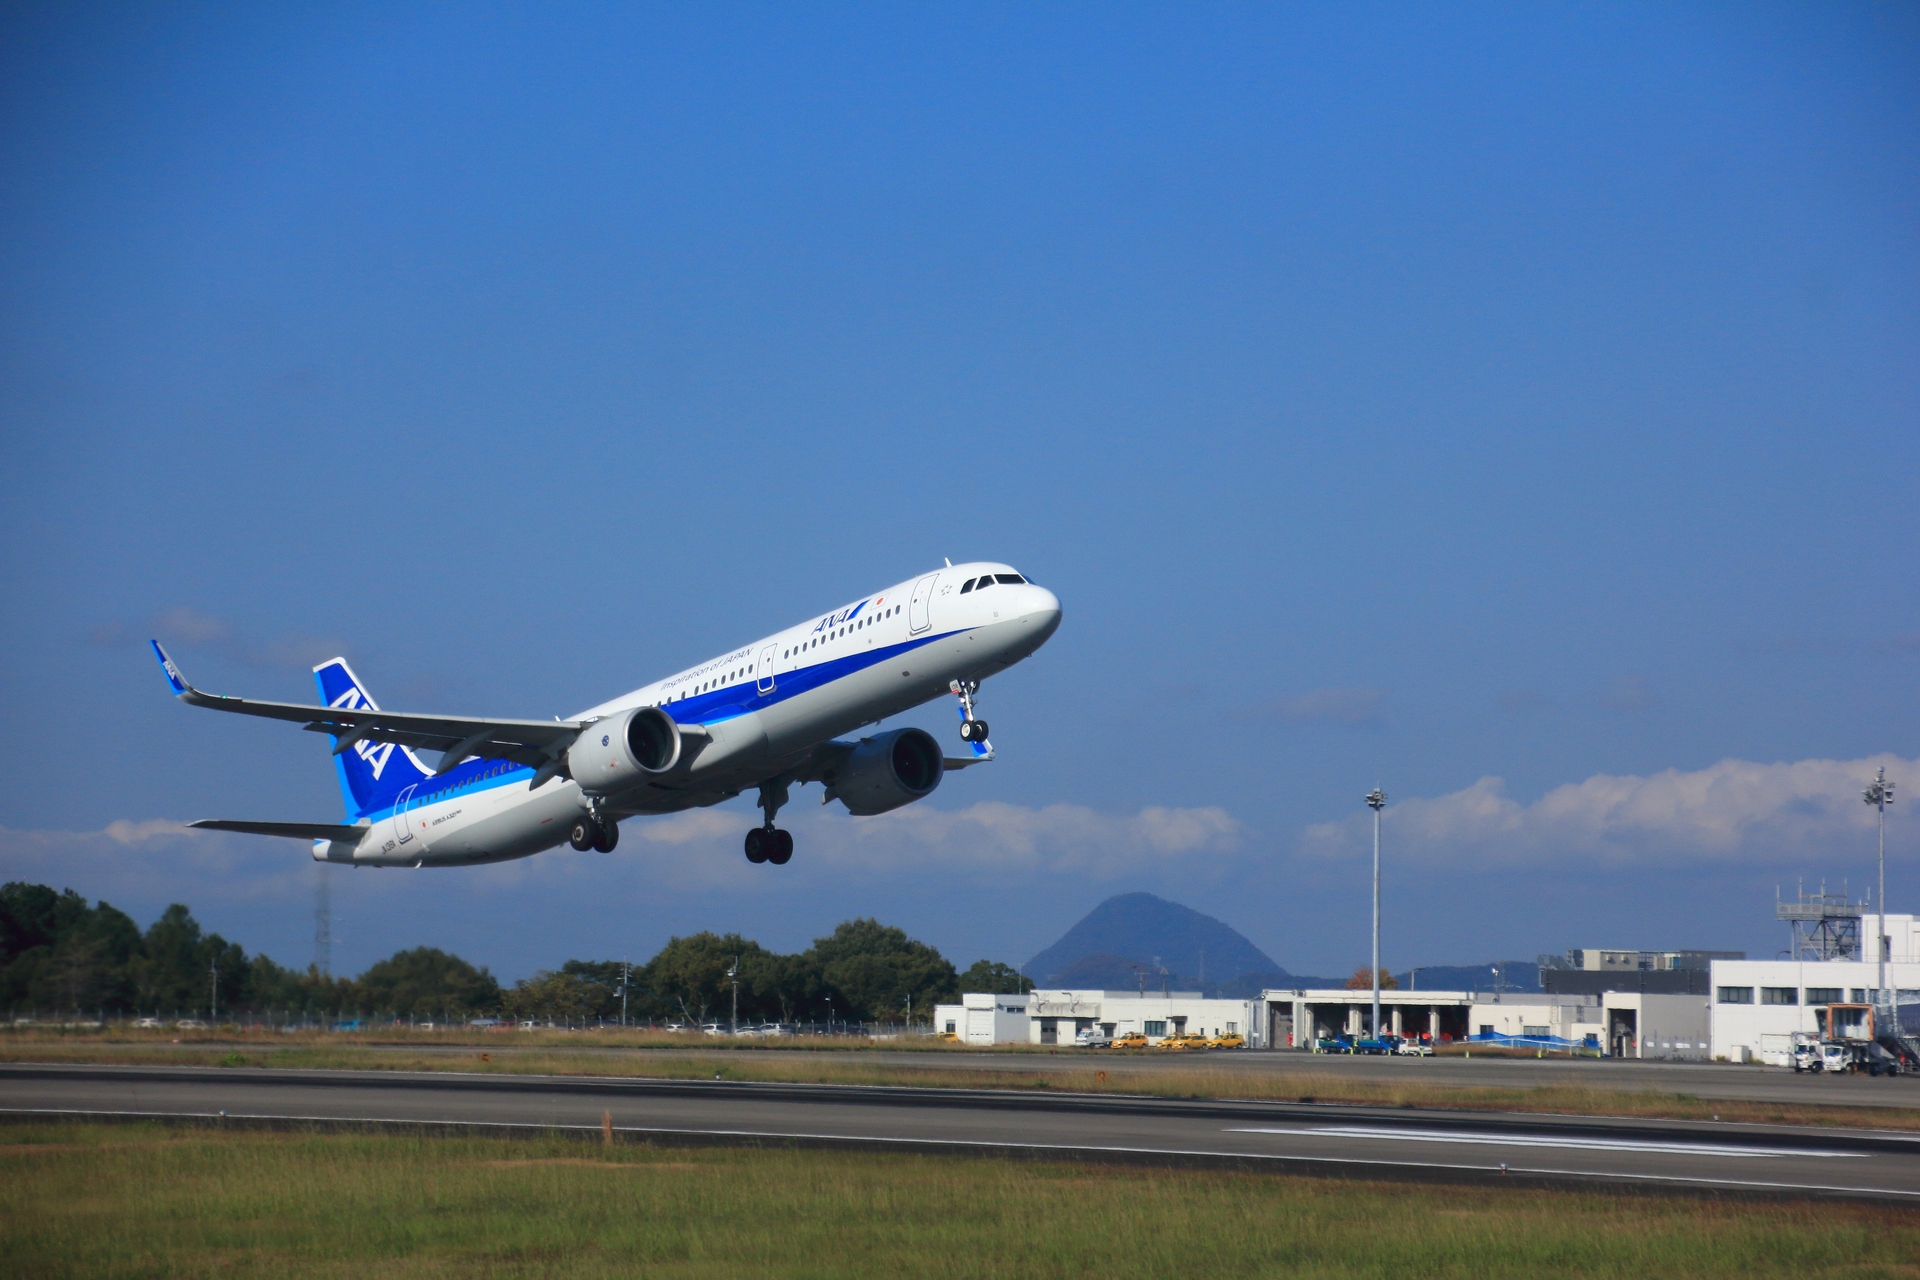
[
  {"x": 1131, "y": 1040},
  {"x": 1181, "y": 1043},
  {"x": 1228, "y": 1041},
  {"x": 947, "y": 1037}
]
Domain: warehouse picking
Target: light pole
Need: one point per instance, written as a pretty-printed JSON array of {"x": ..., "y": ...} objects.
[
  {"x": 733, "y": 976},
  {"x": 1376, "y": 801},
  {"x": 1879, "y": 794}
]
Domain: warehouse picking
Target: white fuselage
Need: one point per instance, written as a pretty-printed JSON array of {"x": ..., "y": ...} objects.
[{"x": 764, "y": 707}]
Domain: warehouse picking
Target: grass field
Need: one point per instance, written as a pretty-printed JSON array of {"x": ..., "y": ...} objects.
[
  {"x": 944, "y": 1068},
  {"x": 137, "y": 1201}
]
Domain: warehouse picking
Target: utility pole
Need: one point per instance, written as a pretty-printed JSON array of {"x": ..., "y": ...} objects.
[
  {"x": 1376, "y": 801},
  {"x": 213, "y": 990},
  {"x": 733, "y": 976},
  {"x": 626, "y": 980},
  {"x": 1879, "y": 794}
]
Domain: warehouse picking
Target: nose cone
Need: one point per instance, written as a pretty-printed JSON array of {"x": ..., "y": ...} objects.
[{"x": 1044, "y": 613}]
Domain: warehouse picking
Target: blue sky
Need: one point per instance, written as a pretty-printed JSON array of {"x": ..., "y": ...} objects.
[{"x": 1423, "y": 396}]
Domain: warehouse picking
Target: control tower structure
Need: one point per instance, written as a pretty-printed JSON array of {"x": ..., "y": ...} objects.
[{"x": 1825, "y": 926}]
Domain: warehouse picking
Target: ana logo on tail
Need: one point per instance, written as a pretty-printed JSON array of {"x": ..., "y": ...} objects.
[{"x": 374, "y": 753}]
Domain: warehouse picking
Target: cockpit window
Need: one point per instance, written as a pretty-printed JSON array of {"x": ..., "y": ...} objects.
[
  {"x": 986, "y": 580},
  {"x": 1009, "y": 579},
  {"x": 966, "y": 586}
]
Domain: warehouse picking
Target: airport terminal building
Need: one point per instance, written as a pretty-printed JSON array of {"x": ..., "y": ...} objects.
[{"x": 1054, "y": 1016}]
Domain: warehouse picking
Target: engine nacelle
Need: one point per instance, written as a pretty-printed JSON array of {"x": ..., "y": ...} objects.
[
  {"x": 623, "y": 750},
  {"x": 888, "y": 771}
]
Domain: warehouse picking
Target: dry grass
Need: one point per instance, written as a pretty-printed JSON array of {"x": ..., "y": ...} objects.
[
  {"x": 91, "y": 1201},
  {"x": 945, "y": 1068}
]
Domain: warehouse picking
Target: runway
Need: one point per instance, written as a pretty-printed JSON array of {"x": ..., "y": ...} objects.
[
  {"x": 1303, "y": 1139},
  {"x": 1705, "y": 1080}
]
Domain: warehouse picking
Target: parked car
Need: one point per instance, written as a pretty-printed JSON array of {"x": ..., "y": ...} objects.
[
  {"x": 776, "y": 1029},
  {"x": 1411, "y": 1048},
  {"x": 676, "y": 1026},
  {"x": 1333, "y": 1044},
  {"x": 947, "y": 1037},
  {"x": 148, "y": 1024},
  {"x": 1373, "y": 1045},
  {"x": 712, "y": 1029},
  {"x": 1228, "y": 1041},
  {"x": 1131, "y": 1040},
  {"x": 1091, "y": 1038},
  {"x": 191, "y": 1024}
]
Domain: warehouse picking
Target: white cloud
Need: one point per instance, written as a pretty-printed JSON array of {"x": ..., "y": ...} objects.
[
  {"x": 1007, "y": 837},
  {"x": 1734, "y": 812},
  {"x": 155, "y": 858}
]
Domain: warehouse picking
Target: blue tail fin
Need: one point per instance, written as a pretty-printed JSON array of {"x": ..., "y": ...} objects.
[{"x": 372, "y": 774}]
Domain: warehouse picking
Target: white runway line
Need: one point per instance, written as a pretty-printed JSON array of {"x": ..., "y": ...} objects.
[{"x": 1572, "y": 1144}]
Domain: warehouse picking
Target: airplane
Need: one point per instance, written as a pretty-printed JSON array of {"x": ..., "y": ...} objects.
[{"x": 765, "y": 716}]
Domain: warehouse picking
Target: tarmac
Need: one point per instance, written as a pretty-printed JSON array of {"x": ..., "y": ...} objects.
[{"x": 1664, "y": 1157}]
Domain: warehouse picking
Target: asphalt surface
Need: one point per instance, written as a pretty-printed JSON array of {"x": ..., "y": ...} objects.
[
  {"x": 1324, "y": 1140},
  {"x": 1720, "y": 1081}
]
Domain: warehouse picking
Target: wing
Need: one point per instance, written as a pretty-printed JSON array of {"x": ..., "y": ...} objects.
[
  {"x": 295, "y": 830},
  {"x": 535, "y": 743}
]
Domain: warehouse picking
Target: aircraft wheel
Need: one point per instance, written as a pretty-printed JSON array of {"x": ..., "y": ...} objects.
[
  {"x": 780, "y": 847},
  {"x": 581, "y": 835},
  {"x": 979, "y": 730},
  {"x": 757, "y": 845},
  {"x": 606, "y": 836}
]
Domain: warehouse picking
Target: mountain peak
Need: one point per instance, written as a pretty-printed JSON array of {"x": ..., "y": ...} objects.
[{"x": 1140, "y": 929}]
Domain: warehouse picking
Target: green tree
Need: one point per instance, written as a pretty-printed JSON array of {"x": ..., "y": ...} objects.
[
  {"x": 993, "y": 978},
  {"x": 688, "y": 979},
  {"x": 557, "y": 997},
  {"x": 871, "y": 969},
  {"x": 426, "y": 982},
  {"x": 56, "y": 952}
]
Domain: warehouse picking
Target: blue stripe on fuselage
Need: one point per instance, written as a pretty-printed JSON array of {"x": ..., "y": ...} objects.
[
  {"x": 702, "y": 708},
  {"x": 738, "y": 699},
  {"x": 463, "y": 781}
]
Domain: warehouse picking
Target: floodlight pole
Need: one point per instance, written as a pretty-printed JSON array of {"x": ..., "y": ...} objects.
[
  {"x": 1376, "y": 801},
  {"x": 1879, "y": 794},
  {"x": 733, "y": 976}
]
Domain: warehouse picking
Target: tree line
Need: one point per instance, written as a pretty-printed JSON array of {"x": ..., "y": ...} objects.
[{"x": 60, "y": 953}]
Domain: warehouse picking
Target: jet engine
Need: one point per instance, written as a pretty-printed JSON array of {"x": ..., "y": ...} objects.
[
  {"x": 624, "y": 749},
  {"x": 888, "y": 771}
]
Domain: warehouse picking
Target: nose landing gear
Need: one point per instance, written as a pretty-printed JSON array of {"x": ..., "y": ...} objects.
[
  {"x": 769, "y": 843},
  {"x": 973, "y": 730}
]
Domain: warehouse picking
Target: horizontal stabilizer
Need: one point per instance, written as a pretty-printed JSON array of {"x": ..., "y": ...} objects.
[{"x": 293, "y": 830}]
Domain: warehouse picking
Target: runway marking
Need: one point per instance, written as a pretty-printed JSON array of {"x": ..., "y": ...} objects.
[{"x": 1569, "y": 1143}]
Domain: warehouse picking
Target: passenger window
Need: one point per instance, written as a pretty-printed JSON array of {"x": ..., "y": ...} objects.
[
  {"x": 1009, "y": 579},
  {"x": 966, "y": 586}
]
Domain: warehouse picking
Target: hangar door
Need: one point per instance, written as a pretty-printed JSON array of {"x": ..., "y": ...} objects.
[{"x": 1279, "y": 1025}]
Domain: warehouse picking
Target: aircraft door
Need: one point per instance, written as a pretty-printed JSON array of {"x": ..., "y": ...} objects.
[
  {"x": 764, "y": 668},
  {"x": 918, "y": 619},
  {"x": 402, "y": 832}
]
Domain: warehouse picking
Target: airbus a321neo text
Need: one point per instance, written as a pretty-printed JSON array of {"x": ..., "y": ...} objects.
[{"x": 767, "y": 716}]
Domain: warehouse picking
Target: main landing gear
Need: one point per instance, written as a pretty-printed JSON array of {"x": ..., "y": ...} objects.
[
  {"x": 769, "y": 843},
  {"x": 972, "y": 728},
  {"x": 594, "y": 831}
]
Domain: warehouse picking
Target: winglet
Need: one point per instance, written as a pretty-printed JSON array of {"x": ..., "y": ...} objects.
[{"x": 174, "y": 678}]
